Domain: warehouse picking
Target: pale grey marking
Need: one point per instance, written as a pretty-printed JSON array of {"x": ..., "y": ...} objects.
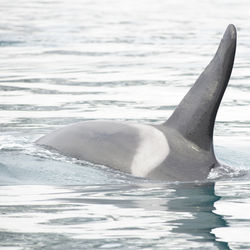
[{"x": 152, "y": 151}]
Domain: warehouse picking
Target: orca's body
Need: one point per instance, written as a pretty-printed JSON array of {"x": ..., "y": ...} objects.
[{"x": 180, "y": 149}]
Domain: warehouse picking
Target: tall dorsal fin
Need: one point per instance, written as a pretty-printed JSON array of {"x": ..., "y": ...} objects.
[{"x": 194, "y": 117}]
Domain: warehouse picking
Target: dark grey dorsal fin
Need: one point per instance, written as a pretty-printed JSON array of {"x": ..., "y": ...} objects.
[{"x": 194, "y": 117}]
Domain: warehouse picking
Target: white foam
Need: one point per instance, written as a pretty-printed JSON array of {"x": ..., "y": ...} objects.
[{"x": 152, "y": 151}]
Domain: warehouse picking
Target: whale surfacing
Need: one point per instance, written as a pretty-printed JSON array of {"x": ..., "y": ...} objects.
[{"x": 181, "y": 149}]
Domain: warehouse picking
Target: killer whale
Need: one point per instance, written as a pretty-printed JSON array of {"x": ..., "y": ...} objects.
[{"x": 180, "y": 149}]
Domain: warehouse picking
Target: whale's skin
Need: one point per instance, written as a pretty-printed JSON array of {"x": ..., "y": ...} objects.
[{"x": 180, "y": 149}]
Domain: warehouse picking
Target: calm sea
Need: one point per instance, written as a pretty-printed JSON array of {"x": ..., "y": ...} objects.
[{"x": 67, "y": 61}]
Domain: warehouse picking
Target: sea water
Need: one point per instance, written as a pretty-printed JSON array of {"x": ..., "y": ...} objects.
[{"x": 68, "y": 61}]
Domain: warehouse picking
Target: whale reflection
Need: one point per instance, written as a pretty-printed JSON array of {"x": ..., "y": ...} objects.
[
  {"x": 169, "y": 211},
  {"x": 199, "y": 200}
]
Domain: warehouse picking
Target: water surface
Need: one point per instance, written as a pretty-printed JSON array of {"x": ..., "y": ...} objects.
[{"x": 67, "y": 61}]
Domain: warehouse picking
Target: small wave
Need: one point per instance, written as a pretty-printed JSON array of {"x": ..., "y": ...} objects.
[
  {"x": 9, "y": 43},
  {"x": 226, "y": 172}
]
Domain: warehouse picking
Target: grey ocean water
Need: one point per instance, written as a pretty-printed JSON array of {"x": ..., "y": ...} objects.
[{"x": 67, "y": 61}]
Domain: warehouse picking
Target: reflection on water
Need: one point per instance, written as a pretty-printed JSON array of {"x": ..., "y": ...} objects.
[
  {"x": 143, "y": 215},
  {"x": 199, "y": 201}
]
